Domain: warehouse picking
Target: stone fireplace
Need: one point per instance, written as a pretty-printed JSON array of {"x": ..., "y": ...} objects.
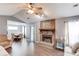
[
  {"x": 47, "y": 36},
  {"x": 47, "y": 32}
]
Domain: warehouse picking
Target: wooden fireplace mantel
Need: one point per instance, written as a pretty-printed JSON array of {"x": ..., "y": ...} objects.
[{"x": 53, "y": 30}]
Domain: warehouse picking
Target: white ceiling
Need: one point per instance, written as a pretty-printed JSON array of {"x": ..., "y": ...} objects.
[
  {"x": 9, "y": 8},
  {"x": 52, "y": 10},
  {"x": 58, "y": 10}
]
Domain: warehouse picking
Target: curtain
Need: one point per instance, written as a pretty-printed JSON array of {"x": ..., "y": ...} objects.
[
  {"x": 66, "y": 34},
  {"x": 72, "y": 32}
]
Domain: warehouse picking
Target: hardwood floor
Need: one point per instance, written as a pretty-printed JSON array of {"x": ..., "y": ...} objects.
[{"x": 25, "y": 48}]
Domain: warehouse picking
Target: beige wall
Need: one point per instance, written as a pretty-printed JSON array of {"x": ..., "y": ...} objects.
[
  {"x": 60, "y": 28},
  {"x": 3, "y": 25}
]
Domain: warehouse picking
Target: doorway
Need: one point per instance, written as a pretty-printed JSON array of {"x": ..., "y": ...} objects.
[{"x": 14, "y": 27}]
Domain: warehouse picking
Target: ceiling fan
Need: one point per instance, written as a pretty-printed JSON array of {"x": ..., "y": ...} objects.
[{"x": 32, "y": 8}]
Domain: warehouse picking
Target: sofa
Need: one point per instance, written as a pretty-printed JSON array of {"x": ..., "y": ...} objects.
[
  {"x": 3, "y": 52},
  {"x": 72, "y": 50},
  {"x": 4, "y": 41}
]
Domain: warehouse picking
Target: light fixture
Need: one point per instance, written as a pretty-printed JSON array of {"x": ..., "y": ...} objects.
[
  {"x": 30, "y": 11},
  {"x": 34, "y": 9}
]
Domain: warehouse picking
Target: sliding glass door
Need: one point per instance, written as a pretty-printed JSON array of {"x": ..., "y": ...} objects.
[{"x": 72, "y": 31}]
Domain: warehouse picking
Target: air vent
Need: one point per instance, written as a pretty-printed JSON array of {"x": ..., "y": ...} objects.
[{"x": 75, "y": 5}]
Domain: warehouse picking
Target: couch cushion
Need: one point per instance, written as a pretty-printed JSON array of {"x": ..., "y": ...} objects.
[
  {"x": 4, "y": 41},
  {"x": 3, "y": 52},
  {"x": 75, "y": 47}
]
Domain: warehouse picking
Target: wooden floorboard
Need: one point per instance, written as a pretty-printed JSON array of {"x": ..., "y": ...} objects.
[{"x": 25, "y": 48}]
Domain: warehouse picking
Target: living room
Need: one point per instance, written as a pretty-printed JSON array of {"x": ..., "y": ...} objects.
[
  {"x": 37, "y": 29},
  {"x": 15, "y": 21}
]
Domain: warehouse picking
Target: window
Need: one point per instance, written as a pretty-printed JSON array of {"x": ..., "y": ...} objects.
[
  {"x": 12, "y": 28},
  {"x": 72, "y": 32}
]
